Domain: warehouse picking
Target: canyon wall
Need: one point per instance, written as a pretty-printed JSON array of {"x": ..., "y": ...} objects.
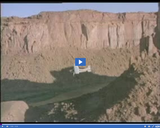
[
  {"x": 86, "y": 29},
  {"x": 158, "y": 25}
]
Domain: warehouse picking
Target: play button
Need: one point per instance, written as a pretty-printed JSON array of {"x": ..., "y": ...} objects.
[{"x": 80, "y": 61}]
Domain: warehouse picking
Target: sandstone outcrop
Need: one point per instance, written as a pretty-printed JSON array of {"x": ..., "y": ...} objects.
[{"x": 85, "y": 29}]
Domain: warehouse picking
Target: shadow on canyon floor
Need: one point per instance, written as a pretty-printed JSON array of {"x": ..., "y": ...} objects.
[
  {"x": 88, "y": 107},
  {"x": 32, "y": 92},
  {"x": 90, "y": 93}
]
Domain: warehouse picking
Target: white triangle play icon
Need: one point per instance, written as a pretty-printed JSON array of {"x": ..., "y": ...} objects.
[{"x": 80, "y": 61}]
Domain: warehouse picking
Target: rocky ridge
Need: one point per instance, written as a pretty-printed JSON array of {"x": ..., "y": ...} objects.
[{"x": 84, "y": 29}]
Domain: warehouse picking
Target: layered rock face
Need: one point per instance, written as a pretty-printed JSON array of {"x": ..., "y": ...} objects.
[
  {"x": 158, "y": 23},
  {"x": 85, "y": 29},
  {"x": 159, "y": 16}
]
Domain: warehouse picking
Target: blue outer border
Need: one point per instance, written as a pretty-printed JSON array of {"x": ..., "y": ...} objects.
[{"x": 82, "y": 125}]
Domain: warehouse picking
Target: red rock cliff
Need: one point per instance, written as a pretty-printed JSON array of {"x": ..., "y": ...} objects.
[{"x": 85, "y": 29}]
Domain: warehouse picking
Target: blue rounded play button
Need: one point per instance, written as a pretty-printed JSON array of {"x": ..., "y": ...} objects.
[{"x": 80, "y": 61}]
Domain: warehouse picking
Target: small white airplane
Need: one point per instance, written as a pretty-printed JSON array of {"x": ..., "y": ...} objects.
[{"x": 77, "y": 70}]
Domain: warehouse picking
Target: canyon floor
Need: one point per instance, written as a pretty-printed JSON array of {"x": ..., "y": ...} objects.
[{"x": 43, "y": 89}]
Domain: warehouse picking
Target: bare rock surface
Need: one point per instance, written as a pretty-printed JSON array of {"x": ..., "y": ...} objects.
[{"x": 85, "y": 29}]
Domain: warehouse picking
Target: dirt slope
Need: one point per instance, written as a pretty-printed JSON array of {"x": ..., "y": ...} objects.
[
  {"x": 13, "y": 111},
  {"x": 46, "y": 78},
  {"x": 51, "y": 70},
  {"x": 132, "y": 97}
]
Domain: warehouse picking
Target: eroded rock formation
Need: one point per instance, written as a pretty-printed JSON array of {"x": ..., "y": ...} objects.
[
  {"x": 85, "y": 29},
  {"x": 158, "y": 25}
]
